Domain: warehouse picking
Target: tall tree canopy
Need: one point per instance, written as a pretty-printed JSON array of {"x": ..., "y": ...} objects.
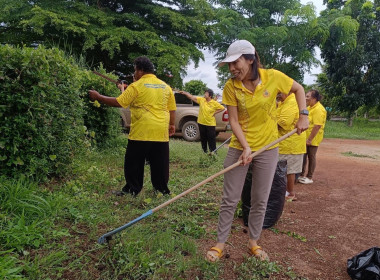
[
  {"x": 113, "y": 32},
  {"x": 352, "y": 54},
  {"x": 284, "y": 32}
]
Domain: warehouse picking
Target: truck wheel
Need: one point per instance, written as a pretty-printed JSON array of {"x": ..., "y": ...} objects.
[{"x": 190, "y": 131}]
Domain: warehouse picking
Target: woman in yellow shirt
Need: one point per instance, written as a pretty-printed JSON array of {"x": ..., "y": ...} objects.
[
  {"x": 314, "y": 134},
  {"x": 250, "y": 96},
  {"x": 208, "y": 108}
]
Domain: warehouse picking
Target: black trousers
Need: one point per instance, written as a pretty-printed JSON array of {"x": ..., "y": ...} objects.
[
  {"x": 208, "y": 135},
  {"x": 158, "y": 155}
]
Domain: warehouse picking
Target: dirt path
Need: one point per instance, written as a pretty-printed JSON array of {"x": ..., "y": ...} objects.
[{"x": 339, "y": 215}]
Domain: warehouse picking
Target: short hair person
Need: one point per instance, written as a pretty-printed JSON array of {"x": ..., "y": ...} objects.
[
  {"x": 314, "y": 134},
  {"x": 153, "y": 108},
  {"x": 250, "y": 97},
  {"x": 208, "y": 108}
]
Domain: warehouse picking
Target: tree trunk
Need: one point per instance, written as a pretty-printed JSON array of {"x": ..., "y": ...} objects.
[{"x": 350, "y": 121}]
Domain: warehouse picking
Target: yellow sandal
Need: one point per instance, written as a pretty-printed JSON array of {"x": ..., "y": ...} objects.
[
  {"x": 259, "y": 253},
  {"x": 214, "y": 257}
]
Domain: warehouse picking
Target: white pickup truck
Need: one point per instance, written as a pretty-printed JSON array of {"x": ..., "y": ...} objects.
[{"x": 185, "y": 118}]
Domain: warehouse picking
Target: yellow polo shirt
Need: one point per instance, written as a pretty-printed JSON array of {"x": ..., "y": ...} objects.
[
  {"x": 287, "y": 117},
  {"x": 207, "y": 111},
  {"x": 257, "y": 110},
  {"x": 150, "y": 101},
  {"x": 317, "y": 116}
]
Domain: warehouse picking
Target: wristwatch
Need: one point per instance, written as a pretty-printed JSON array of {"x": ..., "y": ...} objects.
[{"x": 304, "y": 112}]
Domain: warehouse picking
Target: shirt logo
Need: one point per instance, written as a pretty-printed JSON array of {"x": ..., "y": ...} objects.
[
  {"x": 266, "y": 94},
  {"x": 155, "y": 86}
]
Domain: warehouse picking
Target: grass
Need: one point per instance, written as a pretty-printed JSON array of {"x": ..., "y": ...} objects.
[
  {"x": 50, "y": 231},
  {"x": 351, "y": 154},
  {"x": 362, "y": 129}
]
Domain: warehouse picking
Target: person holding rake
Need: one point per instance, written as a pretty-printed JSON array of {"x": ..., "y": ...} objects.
[{"x": 250, "y": 96}]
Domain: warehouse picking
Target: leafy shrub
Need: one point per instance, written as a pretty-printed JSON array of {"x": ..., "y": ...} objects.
[
  {"x": 41, "y": 115},
  {"x": 101, "y": 121},
  {"x": 45, "y": 112}
]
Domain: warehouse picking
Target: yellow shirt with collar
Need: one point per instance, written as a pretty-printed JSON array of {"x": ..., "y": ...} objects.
[
  {"x": 317, "y": 116},
  {"x": 257, "y": 110},
  {"x": 287, "y": 117},
  {"x": 207, "y": 110},
  {"x": 150, "y": 101}
]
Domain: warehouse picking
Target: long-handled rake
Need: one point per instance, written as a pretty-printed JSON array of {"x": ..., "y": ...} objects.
[
  {"x": 104, "y": 238},
  {"x": 221, "y": 145}
]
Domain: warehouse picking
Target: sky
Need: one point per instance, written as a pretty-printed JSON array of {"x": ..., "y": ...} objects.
[{"x": 206, "y": 71}]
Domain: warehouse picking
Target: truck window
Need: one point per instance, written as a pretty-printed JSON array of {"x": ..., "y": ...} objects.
[{"x": 181, "y": 99}]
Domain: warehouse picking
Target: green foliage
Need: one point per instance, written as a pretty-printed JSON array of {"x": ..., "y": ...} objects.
[
  {"x": 8, "y": 266},
  {"x": 195, "y": 87},
  {"x": 363, "y": 129},
  {"x": 285, "y": 33},
  {"x": 101, "y": 123},
  {"x": 114, "y": 32},
  {"x": 253, "y": 268},
  {"x": 351, "y": 54},
  {"x": 46, "y": 116},
  {"x": 26, "y": 213},
  {"x": 41, "y": 112}
]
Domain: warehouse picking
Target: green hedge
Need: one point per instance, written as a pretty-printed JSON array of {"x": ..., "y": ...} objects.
[{"x": 45, "y": 115}]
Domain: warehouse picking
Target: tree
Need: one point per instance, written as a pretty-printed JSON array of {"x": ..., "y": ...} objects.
[
  {"x": 113, "y": 32},
  {"x": 195, "y": 87},
  {"x": 285, "y": 33},
  {"x": 352, "y": 55}
]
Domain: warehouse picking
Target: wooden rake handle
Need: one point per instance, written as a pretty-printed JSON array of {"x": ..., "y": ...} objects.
[
  {"x": 104, "y": 238},
  {"x": 212, "y": 177}
]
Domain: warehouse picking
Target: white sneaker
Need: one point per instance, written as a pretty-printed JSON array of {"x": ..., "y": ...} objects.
[
  {"x": 300, "y": 179},
  {"x": 306, "y": 181}
]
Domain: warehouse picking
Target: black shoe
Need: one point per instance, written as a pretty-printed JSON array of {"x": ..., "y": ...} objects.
[{"x": 118, "y": 193}]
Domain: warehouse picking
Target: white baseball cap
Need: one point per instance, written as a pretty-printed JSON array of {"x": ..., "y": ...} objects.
[{"x": 236, "y": 50}]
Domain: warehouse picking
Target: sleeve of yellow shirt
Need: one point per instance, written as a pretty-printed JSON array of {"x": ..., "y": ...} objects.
[
  {"x": 171, "y": 102},
  {"x": 127, "y": 96},
  {"x": 319, "y": 117},
  {"x": 229, "y": 97},
  {"x": 286, "y": 116},
  {"x": 218, "y": 106},
  {"x": 284, "y": 83}
]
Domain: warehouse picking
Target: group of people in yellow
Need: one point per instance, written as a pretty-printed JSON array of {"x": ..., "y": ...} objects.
[
  {"x": 250, "y": 96},
  {"x": 298, "y": 150}
]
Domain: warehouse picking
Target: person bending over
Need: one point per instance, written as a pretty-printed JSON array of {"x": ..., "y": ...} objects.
[{"x": 250, "y": 97}]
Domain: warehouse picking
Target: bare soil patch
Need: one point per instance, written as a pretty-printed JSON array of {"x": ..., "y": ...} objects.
[{"x": 338, "y": 215}]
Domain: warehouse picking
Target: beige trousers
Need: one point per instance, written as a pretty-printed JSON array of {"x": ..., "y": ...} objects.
[{"x": 263, "y": 169}]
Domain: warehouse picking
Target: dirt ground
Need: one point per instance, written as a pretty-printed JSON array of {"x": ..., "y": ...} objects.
[{"x": 339, "y": 215}]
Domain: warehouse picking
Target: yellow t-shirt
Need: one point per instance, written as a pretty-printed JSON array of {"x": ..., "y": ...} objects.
[
  {"x": 257, "y": 110},
  {"x": 287, "y": 117},
  {"x": 150, "y": 100},
  {"x": 207, "y": 111},
  {"x": 317, "y": 116}
]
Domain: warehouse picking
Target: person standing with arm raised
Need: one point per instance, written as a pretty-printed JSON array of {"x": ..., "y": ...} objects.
[
  {"x": 208, "y": 108},
  {"x": 153, "y": 108},
  {"x": 250, "y": 97}
]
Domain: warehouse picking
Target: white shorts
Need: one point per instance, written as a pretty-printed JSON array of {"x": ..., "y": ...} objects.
[{"x": 294, "y": 163}]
